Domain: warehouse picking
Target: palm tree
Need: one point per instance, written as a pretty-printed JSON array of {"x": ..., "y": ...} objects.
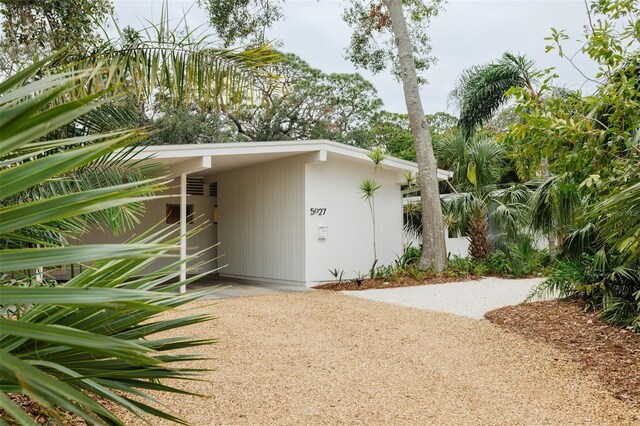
[
  {"x": 174, "y": 66},
  {"x": 482, "y": 89},
  {"x": 156, "y": 66},
  {"x": 482, "y": 204},
  {"x": 162, "y": 65},
  {"x": 480, "y": 92},
  {"x": 63, "y": 343}
]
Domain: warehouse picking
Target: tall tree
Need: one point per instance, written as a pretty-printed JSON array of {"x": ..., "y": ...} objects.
[
  {"x": 305, "y": 103},
  {"x": 381, "y": 39},
  {"x": 483, "y": 89},
  {"x": 392, "y": 131},
  {"x": 37, "y": 28}
]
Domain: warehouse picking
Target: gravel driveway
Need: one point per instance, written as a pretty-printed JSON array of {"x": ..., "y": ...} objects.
[
  {"x": 325, "y": 358},
  {"x": 470, "y": 298}
]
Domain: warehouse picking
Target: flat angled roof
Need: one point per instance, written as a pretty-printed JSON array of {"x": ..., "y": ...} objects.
[{"x": 266, "y": 151}]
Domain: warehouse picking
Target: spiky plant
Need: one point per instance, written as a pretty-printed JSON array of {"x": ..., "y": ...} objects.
[
  {"x": 369, "y": 187},
  {"x": 65, "y": 345}
]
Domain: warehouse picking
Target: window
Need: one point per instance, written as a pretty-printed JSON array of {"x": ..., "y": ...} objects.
[{"x": 173, "y": 213}]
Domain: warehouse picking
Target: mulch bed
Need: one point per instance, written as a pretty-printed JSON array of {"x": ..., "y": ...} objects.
[
  {"x": 40, "y": 415},
  {"x": 37, "y": 412},
  {"x": 393, "y": 283},
  {"x": 612, "y": 354}
]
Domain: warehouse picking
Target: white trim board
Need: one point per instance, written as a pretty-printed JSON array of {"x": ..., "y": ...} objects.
[{"x": 281, "y": 147}]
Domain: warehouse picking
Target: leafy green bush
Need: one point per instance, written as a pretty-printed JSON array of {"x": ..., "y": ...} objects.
[
  {"x": 497, "y": 263},
  {"x": 410, "y": 256},
  {"x": 609, "y": 286},
  {"x": 517, "y": 259},
  {"x": 385, "y": 272},
  {"x": 464, "y": 267}
]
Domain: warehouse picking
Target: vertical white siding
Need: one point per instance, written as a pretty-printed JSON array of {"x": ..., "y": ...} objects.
[
  {"x": 155, "y": 215},
  {"x": 349, "y": 245},
  {"x": 261, "y": 222}
]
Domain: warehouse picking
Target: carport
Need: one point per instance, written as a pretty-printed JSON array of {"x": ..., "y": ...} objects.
[{"x": 283, "y": 213}]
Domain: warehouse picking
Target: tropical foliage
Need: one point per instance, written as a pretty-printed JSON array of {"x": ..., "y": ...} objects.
[
  {"x": 66, "y": 343},
  {"x": 482, "y": 203},
  {"x": 481, "y": 90},
  {"x": 65, "y": 166},
  {"x": 593, "y": 146}
]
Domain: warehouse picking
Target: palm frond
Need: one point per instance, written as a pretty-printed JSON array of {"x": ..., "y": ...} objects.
[
  {"x": 179, "y": 70},
  {"x": 554, "y": 204},
  {"x": 65, "y": 343},
  {"x": 619, "y": 218},
  {"x": 481, "y": 90}
]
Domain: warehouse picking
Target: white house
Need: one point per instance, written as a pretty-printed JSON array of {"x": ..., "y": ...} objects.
[{"x": 284, "y": 212}]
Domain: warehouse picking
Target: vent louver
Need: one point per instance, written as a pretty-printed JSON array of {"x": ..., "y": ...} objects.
[
  {"x": 195, "y": 186},
  {"x": 213, "y": 189}
]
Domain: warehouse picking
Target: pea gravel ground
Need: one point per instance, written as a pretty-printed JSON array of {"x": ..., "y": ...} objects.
[{"x": 326, "y": 358}]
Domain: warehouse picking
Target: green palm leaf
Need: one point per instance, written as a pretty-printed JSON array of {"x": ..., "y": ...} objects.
[
  {"x": 91, "y": 335},
  {"x": 481, "y": 90}
]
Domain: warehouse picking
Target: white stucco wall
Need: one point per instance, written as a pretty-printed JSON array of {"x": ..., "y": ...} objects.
[
  {"x": 261, "y": 221},
  {"x": 155, "y": 214},
  {"x": 458, "y": 246},
  {"x": 334, "y": 185}
]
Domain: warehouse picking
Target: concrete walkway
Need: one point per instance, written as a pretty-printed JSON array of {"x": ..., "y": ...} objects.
[
  {"x": 470, "y": 299},
  {"x": 229, "y": 287}
]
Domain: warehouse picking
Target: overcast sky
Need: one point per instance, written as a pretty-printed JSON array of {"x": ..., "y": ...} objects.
[{"x": 466, "y": 33}]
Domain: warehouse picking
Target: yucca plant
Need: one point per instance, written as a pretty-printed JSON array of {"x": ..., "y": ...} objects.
[{"x": 68, "y": 345}]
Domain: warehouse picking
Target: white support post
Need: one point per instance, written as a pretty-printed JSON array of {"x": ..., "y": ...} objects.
[{"x": 183, "y": 230}]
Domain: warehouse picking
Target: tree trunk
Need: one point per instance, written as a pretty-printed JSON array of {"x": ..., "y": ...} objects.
[
  {"x": 551, "y": 234},
  {"x": 433, "y": 242},
  {"x": 479, "y": 244}
]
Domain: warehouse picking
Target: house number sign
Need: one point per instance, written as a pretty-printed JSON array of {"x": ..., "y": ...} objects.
[{"x": 318, "y": 211}]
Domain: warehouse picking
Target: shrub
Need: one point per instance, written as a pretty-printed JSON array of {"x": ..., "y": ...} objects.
[
  {"x": 606, "y": 285},
  {"x": 385, "y": 272},
  {"x": 464, "y": 267},
  {"x": 410, "y": 256},
  {"x": 517, "y": 258},
  {"x": 497, "y": 263}
]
